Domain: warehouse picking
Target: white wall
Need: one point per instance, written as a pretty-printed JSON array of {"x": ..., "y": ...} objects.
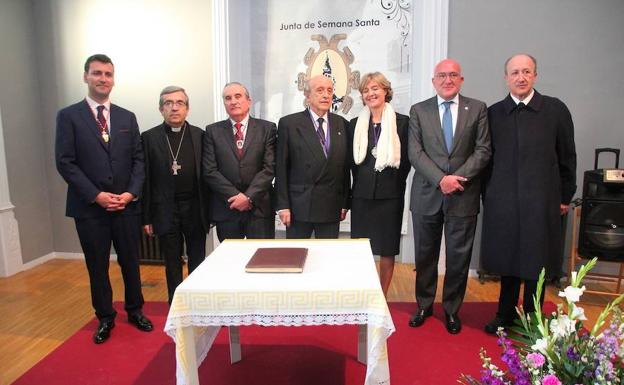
[
  {"x": 153, "y": 44},
  {"x": 22, "y": 129}
]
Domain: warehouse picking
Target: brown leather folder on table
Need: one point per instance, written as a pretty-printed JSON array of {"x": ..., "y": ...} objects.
[{"x": 277, "y": 260}]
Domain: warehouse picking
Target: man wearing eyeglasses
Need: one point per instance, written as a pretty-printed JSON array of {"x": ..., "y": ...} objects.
[
  {"x": 449, "y": 146},
  {"x": 529, "y": 187},
  {"x": 239, "y": 164},
  {"x": 174, "y": 206}
]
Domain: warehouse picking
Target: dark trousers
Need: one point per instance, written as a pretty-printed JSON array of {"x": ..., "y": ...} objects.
[
  {"x": 304, "y": 230},
  {"x": 510, "y": 293},
  {"x": 459, "y": 236},
  {"x": 246, "y": 226},
  {"x": 96, "y": 236},
  {"x": 186, "y": 229}
]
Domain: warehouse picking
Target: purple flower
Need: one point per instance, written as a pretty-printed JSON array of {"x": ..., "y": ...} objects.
[
  {"x": 512, "y": 359},
  {"x": 551, "y": 379},
  {"x": 572, "y": 354},
  {"x": 536, "y": 360},
  {"x": 488, "y": 378}
]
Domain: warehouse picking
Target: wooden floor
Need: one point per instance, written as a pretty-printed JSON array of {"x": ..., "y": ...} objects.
[{"x": 42, "y": 307}]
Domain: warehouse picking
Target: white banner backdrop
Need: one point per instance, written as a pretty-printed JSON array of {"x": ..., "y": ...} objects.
[
  {"x": 344, "y": 40},
  {"x": 294, "y": 41}
]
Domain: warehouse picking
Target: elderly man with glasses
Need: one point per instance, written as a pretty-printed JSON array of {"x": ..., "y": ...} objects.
[{"x": 174, "y": 206}]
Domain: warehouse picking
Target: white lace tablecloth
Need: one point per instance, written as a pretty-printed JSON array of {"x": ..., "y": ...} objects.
[{"x": 339, "y": 286}]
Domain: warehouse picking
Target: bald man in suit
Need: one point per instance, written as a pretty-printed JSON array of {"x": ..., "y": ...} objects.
[{"x": 449, "y": 146}]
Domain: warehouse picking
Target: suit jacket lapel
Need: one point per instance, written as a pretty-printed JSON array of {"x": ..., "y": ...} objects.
[
  {"x": 89, "y": 119},
  {"x": 250, "y": 135},
  {"x": 335, "y": 134},
  {"x": 228, "y": 135},
  {"x": 462, "y": 118},
  {"x": 308, "y": 132},
  {"x": 196, "y": 139},
  {"x": 434, "y": 115},
  {"x": 113, "y": 129}
]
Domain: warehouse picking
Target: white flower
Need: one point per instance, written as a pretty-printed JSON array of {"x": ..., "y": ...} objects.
[
  {"x": 578, "y": 313},
  {"x": 572, "y": 294},
  {"x": 562, "y": 326},
  {"x": 540, "y": 345}
]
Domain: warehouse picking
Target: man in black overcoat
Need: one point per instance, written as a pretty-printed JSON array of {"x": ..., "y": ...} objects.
[{"x": 530, "y": 183}]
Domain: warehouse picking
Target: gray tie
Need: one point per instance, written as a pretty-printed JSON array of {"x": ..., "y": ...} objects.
[
  {"x": 447, "y": 125},
  {"x": 321, "y": 134}
]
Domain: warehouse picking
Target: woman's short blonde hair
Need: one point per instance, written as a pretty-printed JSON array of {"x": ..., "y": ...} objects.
[{"x": 378, "y": 78}]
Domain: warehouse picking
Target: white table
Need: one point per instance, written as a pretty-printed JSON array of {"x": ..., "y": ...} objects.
[{"x": 339, "y": 286}]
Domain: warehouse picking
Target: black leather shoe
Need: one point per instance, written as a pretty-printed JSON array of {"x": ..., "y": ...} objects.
[
  {"x": 103, "y": 331},
  {"x": 141, "y": 322},
  {"x": 453, "y": 323},
  {"x": 498, "y": 322},
  {"x": 419, "y": 317}
]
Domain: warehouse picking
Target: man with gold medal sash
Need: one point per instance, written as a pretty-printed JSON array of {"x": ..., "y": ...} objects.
[{"x": 99, "y": 155}]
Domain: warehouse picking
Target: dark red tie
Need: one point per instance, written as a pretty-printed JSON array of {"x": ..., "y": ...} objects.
[
  {"x": 102, "y": 122},
  {"x": 238, "y": 139}
]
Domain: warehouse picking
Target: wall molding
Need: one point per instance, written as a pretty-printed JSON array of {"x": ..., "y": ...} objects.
[
  {"x": 429, "y": 44},
  {"x": 57, "y": 255},
  {"x": 10, "y": 247},
  {"x": 221, "y": 55}
]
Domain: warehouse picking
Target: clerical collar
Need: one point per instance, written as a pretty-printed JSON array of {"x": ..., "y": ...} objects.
[
  {"x": 176, "y": 129},
  {"x": 525, "y": 100}
]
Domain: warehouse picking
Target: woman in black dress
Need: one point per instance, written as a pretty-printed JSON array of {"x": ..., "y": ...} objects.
[{"x": 380, "y": 167}]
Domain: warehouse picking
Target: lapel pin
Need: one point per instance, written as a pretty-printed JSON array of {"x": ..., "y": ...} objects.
[{"x": 466, "y": 107}]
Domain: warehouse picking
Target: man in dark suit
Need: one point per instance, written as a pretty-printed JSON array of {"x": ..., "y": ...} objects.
[
  {"x": 531, "y": 180},
  {"x": 173, "y": 196},
  {"x": 239, "y": 164},
  {"x": 99, "y": 154},
  {"x": 449, "y": 146},
  {"x": 312, "y": 170}
]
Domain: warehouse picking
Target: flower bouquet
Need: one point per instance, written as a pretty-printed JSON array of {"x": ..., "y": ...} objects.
[{"x": 557, "y": 349}]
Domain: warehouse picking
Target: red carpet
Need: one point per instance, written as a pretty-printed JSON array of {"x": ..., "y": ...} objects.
[{"x": 272, "y": 355}]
